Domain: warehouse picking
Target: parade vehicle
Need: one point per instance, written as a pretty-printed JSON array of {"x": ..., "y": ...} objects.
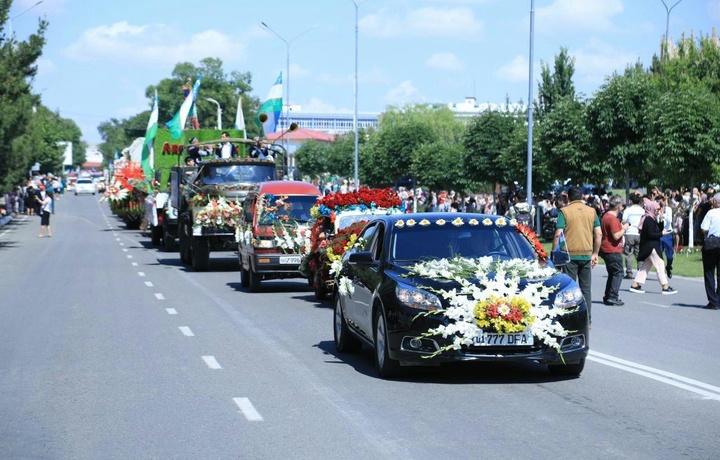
[
  {"x": 208, "y": 201},
  {"x": 275, "y": 231},
  {"x": 340, "y": 217},
  {"x": 426, "y": 289}
]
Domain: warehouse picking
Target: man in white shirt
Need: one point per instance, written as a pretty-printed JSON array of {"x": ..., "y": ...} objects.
[
  {"x": 631, "y": 246},
  {"x": 227, "y": 149},
  {"x": 711, "y": 257}
]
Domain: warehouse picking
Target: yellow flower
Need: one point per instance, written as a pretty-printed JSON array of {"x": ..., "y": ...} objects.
[
  {"x": 400, "y": 223},
  {"x": 473, "y": 222},
  {"x": 440, "y": 222},
  {"x": 501, "y": 222},
  {"x": 457, "y": 222},
  {"x": 487, "y": 221},
  {"x": 411, "y": 222},
  {"x": 424, "y": 222}
]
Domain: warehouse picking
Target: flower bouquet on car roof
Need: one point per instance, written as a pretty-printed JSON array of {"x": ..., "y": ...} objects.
[{"x": 275, "y": 211}]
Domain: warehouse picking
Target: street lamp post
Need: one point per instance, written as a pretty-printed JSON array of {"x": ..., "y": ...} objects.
[
  {"x": 287, "y": 64},
  {"x": 355, "y": 115},
  {"x": 530, "y": 105},
  {"x": 664, "y": 51},
  {"x": 20, "y": 13},
  {"x": 219, "y": 112}
]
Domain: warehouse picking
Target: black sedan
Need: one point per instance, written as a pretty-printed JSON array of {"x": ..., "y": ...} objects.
[{"x": 433, "y": 288}]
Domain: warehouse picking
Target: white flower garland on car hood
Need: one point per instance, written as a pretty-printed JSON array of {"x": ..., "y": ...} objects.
[{"x": 469, "y": 304}]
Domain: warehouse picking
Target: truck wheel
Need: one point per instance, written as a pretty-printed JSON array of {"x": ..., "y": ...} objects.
[
  {"x": 168, "y": 242},
  {"x": 254, "y": 279},
  {"x": 200, "y": 254},
  {"x": 184, "y": 237},
  {"x": 156, "y": 235}
]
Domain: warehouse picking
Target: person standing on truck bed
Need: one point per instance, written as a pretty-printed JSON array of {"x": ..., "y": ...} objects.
[{"x": 226, "y": 149}]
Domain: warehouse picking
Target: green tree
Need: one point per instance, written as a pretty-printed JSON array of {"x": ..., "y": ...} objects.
[
  {"x": 439, "y": 166},
  {"x": 618, "y": 123},
  {"x": 567, "y": 146},
  {"x": 388, "y": 154},
  {"x": 685, "y": 133},
  {"x": 557, "y": 85},
  {"x": 312, "y": 159},
  {"x": 487, "y": 140},
  {"x": 18, "y": 67}
]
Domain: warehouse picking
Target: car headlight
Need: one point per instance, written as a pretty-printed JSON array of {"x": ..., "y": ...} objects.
[
  {"x": 416, "y": 298},
  {"x": 569, "y": 297}
]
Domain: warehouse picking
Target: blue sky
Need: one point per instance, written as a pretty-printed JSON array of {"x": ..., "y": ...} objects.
[{"x": 101, "y": 55}]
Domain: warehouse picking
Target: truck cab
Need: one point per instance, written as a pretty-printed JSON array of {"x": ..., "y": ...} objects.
[{"x": 275, "y": 231}]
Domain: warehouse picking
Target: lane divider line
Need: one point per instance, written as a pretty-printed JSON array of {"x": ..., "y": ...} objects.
[
  {"x": 248, "y": 410},
  {"x": 211, "y": 362},
  {"x": 141, "y": 273},
  {"x": 125, "y": 250},
  {"x": 186, "y": 331},
  {"x": 171, "y": 311},
  {"x": 148, "y": 283},
  {"x": 129, "y": 257},
  {"x": 134, "y": 264},
  {"x": 656, "y": 304},
  {"x": 159, "y": 296},
  {"x": 695, "y": 386}
]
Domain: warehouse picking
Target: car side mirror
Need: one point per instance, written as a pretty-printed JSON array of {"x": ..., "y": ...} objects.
[{"x": 361, "y": 258}]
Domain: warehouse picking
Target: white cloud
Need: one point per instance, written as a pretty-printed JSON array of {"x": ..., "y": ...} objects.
[
  {"x": 585, "y": 15},
  {"x": 315, "y": 105},
  {"x": 596, "y": 60},
  {"x": 423, "y": 22},
  {"x": 298, "y": 71},
  {"x": 46, "y": 67},
  {"x": 444, "y": 61},
  {"x": 404, "y": 93},
  {"x": 515, "y": 71},
  {"x": 159, "y": 44}
]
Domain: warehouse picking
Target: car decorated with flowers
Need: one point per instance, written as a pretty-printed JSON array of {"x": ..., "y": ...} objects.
[
  {"x": 275, "y": 231},
  {"x": 424, "y": 289},
  {"x": 339, "y": 219}
]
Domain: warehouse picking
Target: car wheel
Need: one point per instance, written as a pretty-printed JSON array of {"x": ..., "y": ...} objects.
[
  {"x": 384, "y": 365},
  {"x": 254, "y": 279},
  {"x": 200, "y": 254},
  {"x": 185, "y": 255},
  {"x": 572, "y": 370},
  {"x": 345, "y": 342}
]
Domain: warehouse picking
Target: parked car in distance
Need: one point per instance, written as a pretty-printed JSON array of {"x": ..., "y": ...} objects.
[
  {"x": 380, "y": 299},
  {"x": 85, "y": 185}
]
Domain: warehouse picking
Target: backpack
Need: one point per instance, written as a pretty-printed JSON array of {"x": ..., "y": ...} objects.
[{"x": 524, "y": 217}]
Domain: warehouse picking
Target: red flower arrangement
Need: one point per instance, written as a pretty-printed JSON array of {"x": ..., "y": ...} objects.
[
  {"x": 382, "y": 198},
  {"x": 531, "y": 236}
]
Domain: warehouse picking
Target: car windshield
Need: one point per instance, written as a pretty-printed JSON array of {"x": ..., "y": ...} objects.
[
  {"x": 293, "y": 208},
  {"x": 84, "y": 181},
  {"x": 410, "y": 244},
  {"x": 226, "y": 174},
  {"x": 344, "y": 221}
]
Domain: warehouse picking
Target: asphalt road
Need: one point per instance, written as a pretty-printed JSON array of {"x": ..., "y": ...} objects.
[{"x": 110, "y": 348}]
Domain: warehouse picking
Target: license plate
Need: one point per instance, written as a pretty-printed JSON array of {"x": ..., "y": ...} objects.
[
  {"x": 290, "y": 260},
  {"x": 491, "y": 339}
]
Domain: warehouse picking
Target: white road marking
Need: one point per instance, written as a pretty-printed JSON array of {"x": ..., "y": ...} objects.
[
  {"x": 248, "y": 409},
  {"x": 159, "y": 296},
  {"x": 186, "y": 331},
  {"x": 149, "y": 284},
  {"x": 211, "y": 362},
  {"x": 656, "y": 304},
  {"x": 122, "y": 244},
  {"x": 115, "y": 234},
  {"x": 695, "y": 386},
  {"x": 129, "y": 257},
  {"x": 141, "y": 273},
  {"x": 134, "y": 264},
  {"x": 171, "y": 311},
  {"x": 125, "y": 250},
  {"x": 117, "y": 239}
]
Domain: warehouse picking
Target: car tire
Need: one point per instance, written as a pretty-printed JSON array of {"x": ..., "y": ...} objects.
[
  {"x": 185, "y": 255},
  {"x": 385, "y": 366},
  {"x": 345, "y": 342},
  {"x": 254, "y": 279},
  {"x": 200, "y": 254},
  {"x": 567, "y": 370}
]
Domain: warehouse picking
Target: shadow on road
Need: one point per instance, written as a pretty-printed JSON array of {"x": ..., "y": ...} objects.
[{"x": 448, "y": 373}]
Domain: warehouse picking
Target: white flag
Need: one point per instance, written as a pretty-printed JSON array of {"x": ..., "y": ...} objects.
[{"x": 240, "y": 118}]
